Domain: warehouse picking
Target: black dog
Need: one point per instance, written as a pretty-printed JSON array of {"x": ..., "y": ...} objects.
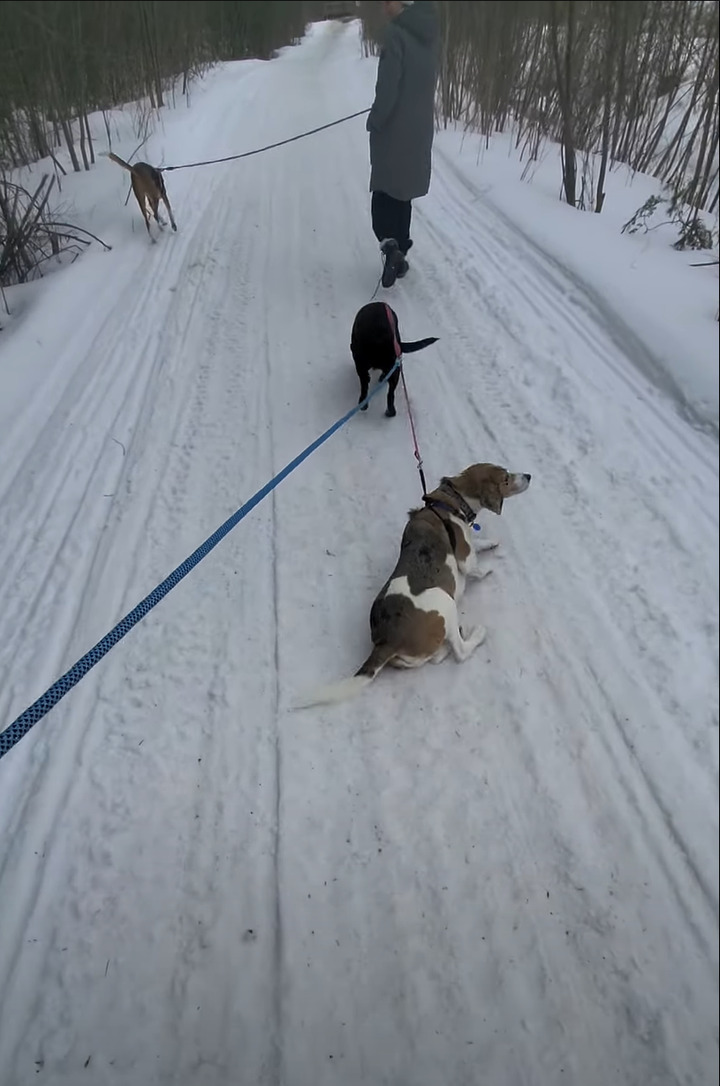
[{"x": 373, "y": 344}]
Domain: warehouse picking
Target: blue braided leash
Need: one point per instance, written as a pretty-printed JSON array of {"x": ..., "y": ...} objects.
[{"x": 27, "y": 720}]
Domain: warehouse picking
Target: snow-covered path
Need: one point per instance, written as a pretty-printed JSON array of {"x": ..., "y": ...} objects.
[{"x": 501, "y": 874}]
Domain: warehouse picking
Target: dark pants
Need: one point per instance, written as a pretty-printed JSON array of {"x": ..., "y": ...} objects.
[{"x": 391, "y": 219}]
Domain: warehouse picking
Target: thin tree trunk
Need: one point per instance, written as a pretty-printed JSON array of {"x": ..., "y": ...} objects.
[
  {"x": 564, "y": 85},
  {"x": 610, "y": 49},
  {"x": 83, "y": 138},
  {"x": 86, "y": 120},
  {"x": 67, "y": 132}
]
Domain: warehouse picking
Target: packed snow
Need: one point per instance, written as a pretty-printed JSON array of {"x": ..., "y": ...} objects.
[{"x": 501, "y": 873}]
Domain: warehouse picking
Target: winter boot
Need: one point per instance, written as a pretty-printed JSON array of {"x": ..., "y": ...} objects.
[
  {"x": 403, "y": 267},
  {"x": 393, "y": 259}
]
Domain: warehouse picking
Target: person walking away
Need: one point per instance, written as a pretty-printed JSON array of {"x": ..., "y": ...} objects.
[{"x": 401, "y": 124}]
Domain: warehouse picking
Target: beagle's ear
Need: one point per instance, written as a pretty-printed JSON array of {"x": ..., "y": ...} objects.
[{"x": 491, "y": 498}]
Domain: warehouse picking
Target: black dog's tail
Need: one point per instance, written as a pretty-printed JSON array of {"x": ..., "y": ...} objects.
[{"x": 418, "y": 345}]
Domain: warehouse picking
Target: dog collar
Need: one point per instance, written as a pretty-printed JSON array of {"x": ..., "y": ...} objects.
[{"x": 465, "y": 511}]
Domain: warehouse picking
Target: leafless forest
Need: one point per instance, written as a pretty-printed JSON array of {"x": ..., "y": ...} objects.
[
  {"x": 61, "y": 60},
  {"x": 613, "y": 81}
]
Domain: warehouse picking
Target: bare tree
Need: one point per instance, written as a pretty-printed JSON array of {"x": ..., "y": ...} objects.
[
  {"x": 611, "y": 81},
  {"x": 63, "y": 59}
]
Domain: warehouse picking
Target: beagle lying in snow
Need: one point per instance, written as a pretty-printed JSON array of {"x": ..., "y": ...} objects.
[
  {"x": 375, "y": 344},
  {"x": 414, "y": 619}
]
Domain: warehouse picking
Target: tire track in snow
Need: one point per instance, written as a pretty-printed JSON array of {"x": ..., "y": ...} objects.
[
  {"x": 58, "y": 544},
  {"x": 234, "y": 218},
  {"x": 604, "y": 941},
  {"x": 489, "y": 241},
  {"x": 594, "y": 923},
  {"x": 138, "y": 405},
  {"x": 629, "y": 756},
  {"x": 55, "y": 787},
  {"x": 668, "y": 474},
  {"x": 326, "y": 852},
  {"x": 275, "y": 1072},
  {"x": 112, "y": 371},
  {"x": 585, "y": 307},
  {"x": 194, "y": 931}
]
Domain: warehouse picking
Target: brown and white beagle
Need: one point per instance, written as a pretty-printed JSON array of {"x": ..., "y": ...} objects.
[{"x": 414, "y": 620}]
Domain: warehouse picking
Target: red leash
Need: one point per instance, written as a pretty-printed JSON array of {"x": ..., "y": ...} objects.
[{"x": 398, "y": 355}]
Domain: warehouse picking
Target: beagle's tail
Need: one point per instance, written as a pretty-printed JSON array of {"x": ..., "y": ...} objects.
[
  {"x": 418, "y": 345},
  {"x": 350, "y": 688}
]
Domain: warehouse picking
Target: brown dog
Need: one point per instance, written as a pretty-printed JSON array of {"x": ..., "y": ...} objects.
[
  {"x": 149, "y": 188},
  {"x": 414, "y": 620}
]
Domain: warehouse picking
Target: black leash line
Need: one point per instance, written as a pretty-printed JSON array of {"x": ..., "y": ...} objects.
[{"x": 269, "y": 147}]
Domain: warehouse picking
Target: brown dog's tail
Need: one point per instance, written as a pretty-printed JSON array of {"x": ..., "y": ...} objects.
[
  {"x": 417, "y": 345},
  {"x": 348, "y": 688},
  {"x": 120, "y": 161}
]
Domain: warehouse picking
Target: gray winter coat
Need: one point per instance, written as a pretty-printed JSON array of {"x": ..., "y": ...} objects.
[{"x": 401, "y": 122}]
